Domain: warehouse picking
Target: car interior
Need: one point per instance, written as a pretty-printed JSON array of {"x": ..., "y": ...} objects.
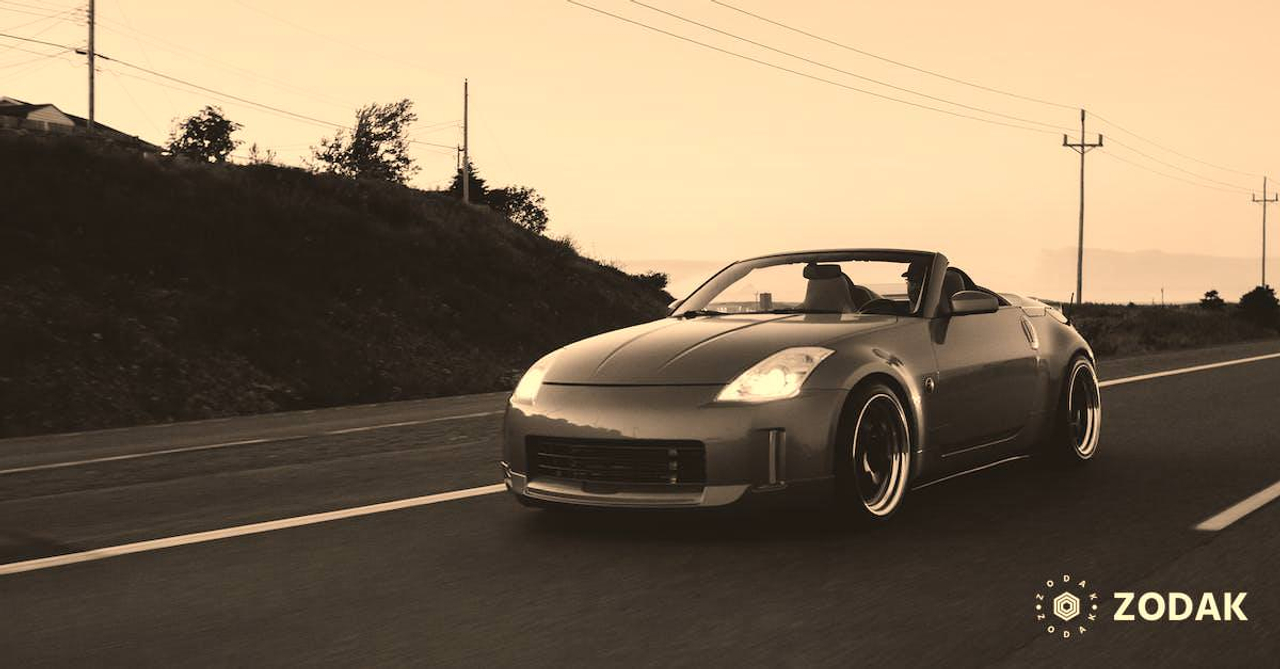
[{"x": 829, "y": 289}]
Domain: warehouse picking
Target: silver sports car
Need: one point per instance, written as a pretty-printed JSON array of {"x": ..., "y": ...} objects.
[{"x": 850, "y": 376}]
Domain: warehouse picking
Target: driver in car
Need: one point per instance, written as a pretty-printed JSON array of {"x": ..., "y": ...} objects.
[{"x": 915, "y": 279}]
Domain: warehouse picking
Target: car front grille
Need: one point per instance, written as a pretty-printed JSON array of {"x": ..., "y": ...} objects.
[{"x": 618, "y": 461}]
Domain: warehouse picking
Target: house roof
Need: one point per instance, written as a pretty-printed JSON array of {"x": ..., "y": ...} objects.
[
  {"x": 23, "y": 109},
  {"x": 15, "y": 107}
]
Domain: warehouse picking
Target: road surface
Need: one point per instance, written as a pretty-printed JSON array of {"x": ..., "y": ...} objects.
[{"x": 479, "y": 580}]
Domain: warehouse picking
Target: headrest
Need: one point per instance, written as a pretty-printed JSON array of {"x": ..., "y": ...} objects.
[{"x": 815, "y": 271}]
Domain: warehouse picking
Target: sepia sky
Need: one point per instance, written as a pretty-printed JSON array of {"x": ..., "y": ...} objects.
[{"x": 648, "y": 147}]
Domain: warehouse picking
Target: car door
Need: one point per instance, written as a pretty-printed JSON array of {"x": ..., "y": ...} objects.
[{"x": 985, "y": 383}]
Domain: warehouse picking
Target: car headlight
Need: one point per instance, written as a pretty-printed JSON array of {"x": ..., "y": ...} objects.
[
  {"x": 529, "y": 384},
  {"x": 777, "y": 377}
]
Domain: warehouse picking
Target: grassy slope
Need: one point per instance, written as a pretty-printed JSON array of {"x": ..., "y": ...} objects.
[{"x": 136, "y": 290}]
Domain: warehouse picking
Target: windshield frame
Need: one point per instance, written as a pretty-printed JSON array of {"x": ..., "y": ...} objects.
[{"x": 733, "y": 272}]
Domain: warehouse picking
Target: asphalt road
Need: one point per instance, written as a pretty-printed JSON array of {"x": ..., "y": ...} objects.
[{"x": 482, "y": 581}]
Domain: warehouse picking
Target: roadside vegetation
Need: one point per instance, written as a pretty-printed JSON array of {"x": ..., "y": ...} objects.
[
  {"x": 140, "y": 288},
  {"x": 1117, "y": 330}
]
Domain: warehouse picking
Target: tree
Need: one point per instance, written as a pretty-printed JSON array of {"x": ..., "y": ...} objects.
[
  {"x": 204, "y": 136},
  {"x": 377, "y": 147},
  {"x": 522, "y": 205},
  {"x": 1260, "y": 306},
  {"x": 1212, "y": 301},
  {"x": 259, "y": 156},
  {"x": 479, "y": 191}
]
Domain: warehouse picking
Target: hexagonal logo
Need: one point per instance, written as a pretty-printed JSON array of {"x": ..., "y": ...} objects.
[
  {"x": 1066, "y": 606},
  {"x": 1072, "y": 604}
]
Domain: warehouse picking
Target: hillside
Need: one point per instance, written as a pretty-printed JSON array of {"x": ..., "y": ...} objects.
[{"x": 136, "y": 290}]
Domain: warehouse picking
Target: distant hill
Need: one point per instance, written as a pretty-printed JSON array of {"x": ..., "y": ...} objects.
[
  {"x": 136, "y": 289},
  {"x": 1137, "y": 276}
]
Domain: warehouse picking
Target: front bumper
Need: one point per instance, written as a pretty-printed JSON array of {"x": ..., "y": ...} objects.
[{"x": 782, "y": 449}]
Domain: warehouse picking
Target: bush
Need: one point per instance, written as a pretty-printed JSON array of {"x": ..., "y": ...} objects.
[
  {"x": 1118, "y": 330},
  {"x": 1260, "y": 306},
  {"x": 1212, "y": 301}
]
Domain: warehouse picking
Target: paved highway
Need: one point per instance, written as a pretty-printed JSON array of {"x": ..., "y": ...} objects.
[{"x": 479, "y": 580}]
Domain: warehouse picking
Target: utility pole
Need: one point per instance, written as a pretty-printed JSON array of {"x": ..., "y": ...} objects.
[
  {"x": 91, "y": 55},
  {"x": 1264, "y": 200},
  {"x": 466, "y": 156},
  {"x": 1082, "y": 148}
]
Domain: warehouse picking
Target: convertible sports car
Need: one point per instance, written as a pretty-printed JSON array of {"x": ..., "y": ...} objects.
[{"x": 850, "y": 376}]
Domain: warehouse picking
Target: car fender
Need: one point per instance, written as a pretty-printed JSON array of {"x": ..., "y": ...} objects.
[{"x": 908, "y": 372}]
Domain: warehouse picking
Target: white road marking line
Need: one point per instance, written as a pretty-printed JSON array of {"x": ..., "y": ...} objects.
[
  {"x": 134, "y": 456},
  {"x": 242, "y": 442},
  {"x": 242, "y": 530},
  {"x": 366, "y": 428},
  {"x": 1215, "y": 523},
  {"x": 1185, "y": 370},
  {"x": 1241, "y": 509}
]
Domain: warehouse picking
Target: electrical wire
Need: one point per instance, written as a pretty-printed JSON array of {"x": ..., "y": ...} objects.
[
  {"x": 35, "y": 41},
  {"x": 301, "y": 117},
  {"x": 39, "y": 56},
  {"x": 847, "y": 72},
  {"x": 1167, "y": 175},
  {"x": 989, "y": 89},
  {"x": 805, "y": 74},
  {"x": 180, "y": 50},
  {"x": 57, "y": 20},
  {"x": 1117, "y": 126},
  {"x": 1167, "y": 164},
  {"x": 891, "y": 61}
]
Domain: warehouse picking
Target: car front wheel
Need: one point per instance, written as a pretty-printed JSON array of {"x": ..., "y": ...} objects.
[{"x": 873, "y": 455}]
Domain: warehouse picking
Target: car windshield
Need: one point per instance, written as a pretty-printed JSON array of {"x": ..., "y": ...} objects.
[{"x": 812, "y": 283}]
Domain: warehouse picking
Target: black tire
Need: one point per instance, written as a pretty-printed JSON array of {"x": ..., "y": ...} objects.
[
  {"x": 1077, "y": 423},
  {"x": 872, "y": 455}
]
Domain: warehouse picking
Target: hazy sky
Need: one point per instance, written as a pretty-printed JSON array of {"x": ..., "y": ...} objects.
[{"x": 647, "y": 147}]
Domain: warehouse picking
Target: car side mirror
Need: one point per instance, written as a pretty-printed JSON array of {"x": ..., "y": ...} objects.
[{"x": 967, "y": 302}]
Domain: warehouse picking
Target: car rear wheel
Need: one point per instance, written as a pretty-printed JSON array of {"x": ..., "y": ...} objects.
[
  {"x": 873, "y": 456},
  {"x": 1079, "y": 417}
]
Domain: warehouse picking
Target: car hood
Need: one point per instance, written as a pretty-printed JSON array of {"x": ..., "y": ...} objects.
[{"x": 704, "y": 350}]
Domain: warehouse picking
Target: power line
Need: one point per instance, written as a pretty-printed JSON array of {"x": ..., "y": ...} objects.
[
  {"x": 1167, "y": 164},
  {"x": 35, "y": 41},
  {"x": 443, "y": 146},
  {"x": 1117, "y": 126},
  {"x": 57, "y": 20},
  {"x": 892, "y": 61},
  {"x": 989, "y": 89},
  {"x": 1166, "y": 174},
  {"x": 154, "y": 73},
  {"x": 847, "y": 72},
  {"x": 165, "y": 45},
  {"x": 805, "y": 74},
  {"x": 302, "y": 117},
  {"x": 39, "y": 56}
]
